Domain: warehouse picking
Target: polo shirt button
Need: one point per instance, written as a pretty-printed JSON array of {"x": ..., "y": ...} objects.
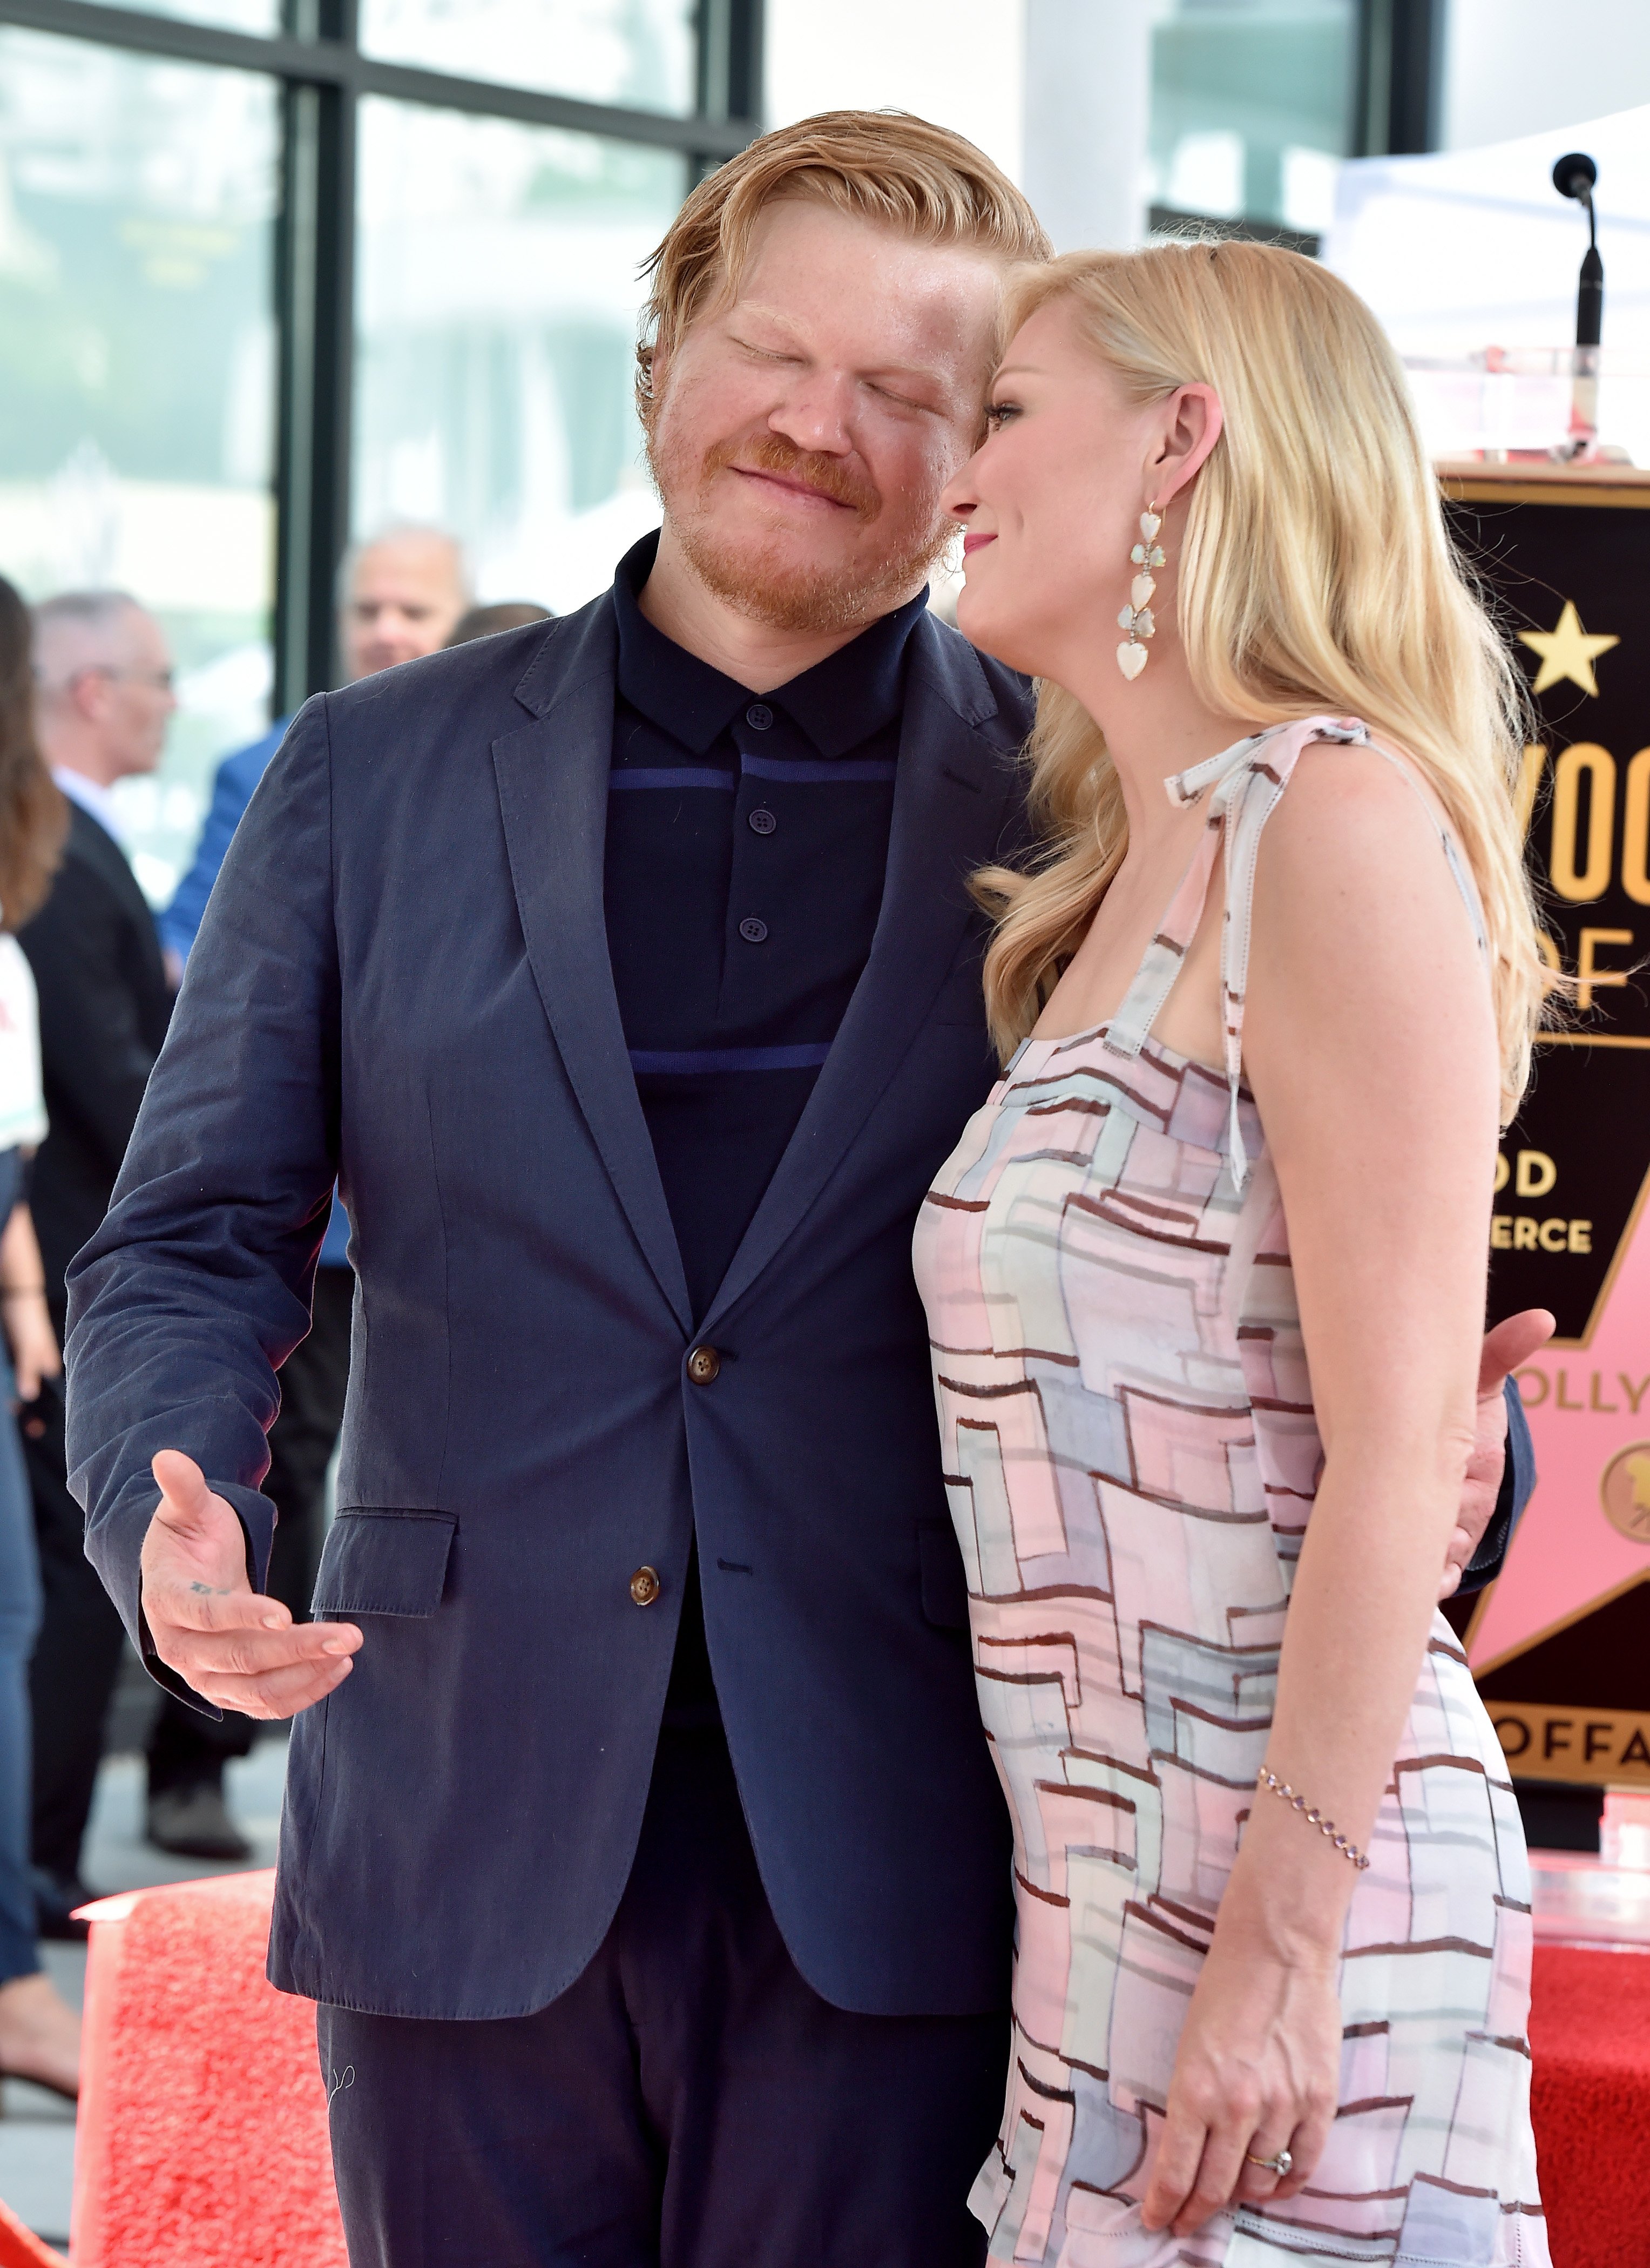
[
  {"x": 753, "y": 932},
  {"x": 704, "y": 1364},
  {"x": 759, "y": 716},
  {"x": 645, "y": 1586},
  {"x": 762, "y": 822}
]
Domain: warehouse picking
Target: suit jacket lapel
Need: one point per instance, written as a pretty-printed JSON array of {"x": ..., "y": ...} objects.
[
  {"x": 552, "y": 778},
  {"x": 108, "y": 858},
  {"x": 955, "y": 779}
]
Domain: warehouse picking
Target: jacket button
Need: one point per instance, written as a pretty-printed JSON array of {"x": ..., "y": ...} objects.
[
  {"x": 703, "y": 1364},
  {"x": 644, "y": 1586}
]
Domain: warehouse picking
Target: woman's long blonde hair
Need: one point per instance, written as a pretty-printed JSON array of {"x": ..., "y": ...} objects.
[{"x": 1316, "y": 575}]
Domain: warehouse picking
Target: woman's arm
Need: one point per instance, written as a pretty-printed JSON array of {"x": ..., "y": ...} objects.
[
  {"x": 1370, "y": 1045},
  {"x": 23, "y": 1309}
]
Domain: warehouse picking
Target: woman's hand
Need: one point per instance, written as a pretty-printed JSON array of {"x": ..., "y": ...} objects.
[
  {"x": 1258, "y": 2071},
  {"x": 33, "y": 1342}
]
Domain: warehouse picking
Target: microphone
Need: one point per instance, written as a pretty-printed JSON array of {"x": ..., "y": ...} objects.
[{"x": 1574, "y": 176}]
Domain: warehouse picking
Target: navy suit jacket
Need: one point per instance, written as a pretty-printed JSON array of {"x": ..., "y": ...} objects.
[{"x": 403, "y": 980}]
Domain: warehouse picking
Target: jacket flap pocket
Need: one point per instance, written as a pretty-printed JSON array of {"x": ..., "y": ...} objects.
[{"x": 384, "y": 1563}]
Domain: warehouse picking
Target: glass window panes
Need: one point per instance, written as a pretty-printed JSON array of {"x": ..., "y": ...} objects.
[
  {"x": 1251, "y": 107},
  {"x": 261, "y": 16},
  {"x": 638, "y": 54},
  {"x": 497, "y": 294},
  {"x": 137, "y": 377}
]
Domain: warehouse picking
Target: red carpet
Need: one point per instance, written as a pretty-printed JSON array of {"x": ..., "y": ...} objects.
[
  {"x": 202, "y": 2138},
  {"x": 20, "y": 2248},
  {"x": 1589, "y": 2030}
]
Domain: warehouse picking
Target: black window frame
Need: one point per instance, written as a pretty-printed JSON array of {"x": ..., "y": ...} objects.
[
  {"x": 322, "y": 75},
  {"x": 1393, "y": 109}
]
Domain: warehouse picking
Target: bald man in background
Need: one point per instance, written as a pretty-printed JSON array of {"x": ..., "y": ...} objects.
[
  {"x": 104, "y": 701},
  {"x": 402, "y": 595}
]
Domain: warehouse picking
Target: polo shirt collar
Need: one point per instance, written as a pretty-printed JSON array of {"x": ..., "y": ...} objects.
[{"x": 838, "y": 703}]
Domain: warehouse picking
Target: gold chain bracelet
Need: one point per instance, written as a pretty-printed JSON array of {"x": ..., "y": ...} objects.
[{"x": 1264, "y": 1778}]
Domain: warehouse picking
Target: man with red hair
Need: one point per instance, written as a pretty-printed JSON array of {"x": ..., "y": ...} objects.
[{"x": 641, "y": 1843}]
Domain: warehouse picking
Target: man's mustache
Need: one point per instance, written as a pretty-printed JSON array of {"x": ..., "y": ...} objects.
[{"x": 771, "y": 452}]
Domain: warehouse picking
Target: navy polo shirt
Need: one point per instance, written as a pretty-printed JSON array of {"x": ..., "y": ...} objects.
[{"x": 748, "y": 838}]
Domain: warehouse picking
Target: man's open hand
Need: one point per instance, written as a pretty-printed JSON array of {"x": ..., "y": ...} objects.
[
  {"x": 1507, "y": 1348},
  {"x": 228, "y": 1643}
]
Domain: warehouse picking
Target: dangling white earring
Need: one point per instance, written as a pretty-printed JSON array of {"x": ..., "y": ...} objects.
[{"x": 1136, "y": 618}]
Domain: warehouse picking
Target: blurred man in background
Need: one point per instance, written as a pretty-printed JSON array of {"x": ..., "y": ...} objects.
[
  {"x": 104, "y": 679},
  {"x": 402, "y": 595}
]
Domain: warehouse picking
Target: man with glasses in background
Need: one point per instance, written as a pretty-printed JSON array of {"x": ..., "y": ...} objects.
[{"x": 105, "y": 700}]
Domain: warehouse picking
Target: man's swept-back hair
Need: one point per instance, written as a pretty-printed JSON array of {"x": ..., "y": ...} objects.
[
  {"x": 90, "y": 610},
  {"x": 883, "y": 164},
  {"x": 1317, "y": 574}
]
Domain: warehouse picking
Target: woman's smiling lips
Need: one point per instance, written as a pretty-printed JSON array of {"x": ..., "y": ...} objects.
[{"x": 973, "y": 542}]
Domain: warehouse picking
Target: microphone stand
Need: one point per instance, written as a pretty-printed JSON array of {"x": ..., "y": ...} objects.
[{"x": 1575, "y": 176}]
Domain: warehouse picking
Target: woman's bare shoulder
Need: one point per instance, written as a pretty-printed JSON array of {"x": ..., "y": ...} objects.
[
  {"x": 1356, "y": 902},
  {"x": 1353, "y": 818}
]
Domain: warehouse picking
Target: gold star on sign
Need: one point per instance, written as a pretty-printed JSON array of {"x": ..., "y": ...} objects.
[{"x": 1566, "y": 651}]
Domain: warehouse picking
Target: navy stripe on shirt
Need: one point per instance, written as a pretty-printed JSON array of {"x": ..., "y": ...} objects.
[
  {"x": 844, "y": 772},
  {"x": 841, "y": 771},
  {"x": 673, "y": 775},
  {"x": 651, "y": 1062}
]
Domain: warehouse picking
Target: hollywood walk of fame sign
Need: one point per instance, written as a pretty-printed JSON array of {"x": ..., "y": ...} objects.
[{"x": 1561, "y": 1643}]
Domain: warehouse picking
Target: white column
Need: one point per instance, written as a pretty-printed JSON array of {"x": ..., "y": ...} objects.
[
  {"x": 1088, "y": 91},
  {"x": 956, "y": 62}
]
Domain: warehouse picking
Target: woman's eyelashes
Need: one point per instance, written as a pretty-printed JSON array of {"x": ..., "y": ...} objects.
[{"x": 997, "y": 414}]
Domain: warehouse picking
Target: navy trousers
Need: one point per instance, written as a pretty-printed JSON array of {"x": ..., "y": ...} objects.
[{"x": 689, "y": 2103}]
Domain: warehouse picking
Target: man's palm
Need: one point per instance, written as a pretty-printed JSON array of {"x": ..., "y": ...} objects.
[{"x": 227, "y": 1642}]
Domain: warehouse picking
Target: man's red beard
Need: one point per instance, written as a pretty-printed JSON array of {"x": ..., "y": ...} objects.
[{"x": 762, "y": 579}]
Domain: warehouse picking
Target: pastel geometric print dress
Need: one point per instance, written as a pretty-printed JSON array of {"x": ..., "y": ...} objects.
[{"x": 1131, "y": 1456}]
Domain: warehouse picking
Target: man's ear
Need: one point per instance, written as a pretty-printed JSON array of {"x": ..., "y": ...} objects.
[
  {"x": 651, "y": 392},
  {"x": 91, "y": 692}
]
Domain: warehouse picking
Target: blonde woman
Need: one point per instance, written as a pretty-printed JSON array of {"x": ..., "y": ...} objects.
[{"x": 1205, "y": 1281}]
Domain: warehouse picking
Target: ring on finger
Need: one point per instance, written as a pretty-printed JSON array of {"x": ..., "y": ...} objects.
[{"x": 1280, "y": 2163}]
